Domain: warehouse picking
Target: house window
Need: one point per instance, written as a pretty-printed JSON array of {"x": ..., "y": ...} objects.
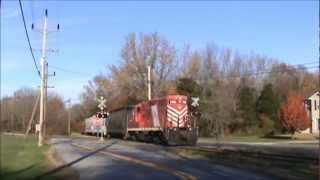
[{"x": 315, "y": 104}]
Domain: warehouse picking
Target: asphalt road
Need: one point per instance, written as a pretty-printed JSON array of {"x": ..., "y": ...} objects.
[{"x": 117, "y": 159}]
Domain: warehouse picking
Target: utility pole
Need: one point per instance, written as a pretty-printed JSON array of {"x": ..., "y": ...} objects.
[
  {"x": 149, "y": 82},
  {"x": 69, "y": 121},
  {"x": 32, "y": 115},
  {"x": 69, "y": 117},
  {"x": 43, "y": 63},
  {"x": 44, "y": 79},
  {"x": 45, "y": 100}
]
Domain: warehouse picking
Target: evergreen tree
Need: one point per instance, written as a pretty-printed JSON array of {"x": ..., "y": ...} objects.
[
  {"x": 268, "y": 105},
  {"x": 188, "y": 87},
  {"x": 247, "y": 106}
]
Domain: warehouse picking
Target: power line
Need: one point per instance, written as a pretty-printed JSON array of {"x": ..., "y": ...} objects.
[
  {"x": 29, "y": 43},
  {"x": 70, "y": 71},
  {"x": 273, "y": 71},
  {"x": 301, "y": 66},
  {"x": 250, "y": 73}
]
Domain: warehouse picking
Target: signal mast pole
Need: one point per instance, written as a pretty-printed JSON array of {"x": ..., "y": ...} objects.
[{"x": 43, "y": 64}]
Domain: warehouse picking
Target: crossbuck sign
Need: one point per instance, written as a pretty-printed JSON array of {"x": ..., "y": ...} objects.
[
  {"x": 195, "y": 101},
  {"x": 102, "y": 103}
]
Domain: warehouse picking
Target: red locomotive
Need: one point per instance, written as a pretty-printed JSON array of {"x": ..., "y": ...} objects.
[{"x": 164, "y": 120}]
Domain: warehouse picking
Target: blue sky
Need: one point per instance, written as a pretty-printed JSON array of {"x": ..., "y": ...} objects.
[{"x": 93, "y": 32}]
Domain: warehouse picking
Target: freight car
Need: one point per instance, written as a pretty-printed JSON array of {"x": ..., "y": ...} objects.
[
  {"x": 164, "y": 120},
  {"x": 93, "y": 125}
]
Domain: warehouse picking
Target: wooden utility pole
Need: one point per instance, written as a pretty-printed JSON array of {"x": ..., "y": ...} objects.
[
  {"x": 69, "y": 117},
  {"x": 44, "y": 80},
  {"x": 32, "y": 115},
  {"x": 43, "y": 63},
  {"x": 69, "y": 121}
]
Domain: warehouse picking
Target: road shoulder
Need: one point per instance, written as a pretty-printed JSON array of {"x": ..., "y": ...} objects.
[{"x": 67, "y": 172}]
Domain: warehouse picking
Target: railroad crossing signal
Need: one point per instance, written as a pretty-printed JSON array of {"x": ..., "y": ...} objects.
[
  {"x": 102, "y": 103},
  {"x": 195, "y": 101}
]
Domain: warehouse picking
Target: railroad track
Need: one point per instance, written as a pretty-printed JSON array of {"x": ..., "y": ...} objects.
[{"x": 255, "y": 154}]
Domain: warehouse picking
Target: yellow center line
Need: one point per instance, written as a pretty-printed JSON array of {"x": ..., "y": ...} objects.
[{"x": 178, "y": 173}]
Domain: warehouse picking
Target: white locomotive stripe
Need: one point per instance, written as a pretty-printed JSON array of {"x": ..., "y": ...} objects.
[
  {"x": 172, "y": 121},
  {"x": 181, "y": 121},
  {"x": 185, "y": 108},
  {"x": 172, "y": 117},
  {"x": 172, "y": 114},
  {"x": 175, "y": 110},
  {"x": 176, "y": 114},
  {"x": 178, "y": 111},
  {"x": 184, "y": 113}
]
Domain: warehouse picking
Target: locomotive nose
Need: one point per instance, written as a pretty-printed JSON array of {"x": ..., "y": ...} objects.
[{"x": 176, "y": 114}]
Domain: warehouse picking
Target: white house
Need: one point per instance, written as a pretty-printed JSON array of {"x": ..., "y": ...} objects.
[{"x": 313, "y": 105}]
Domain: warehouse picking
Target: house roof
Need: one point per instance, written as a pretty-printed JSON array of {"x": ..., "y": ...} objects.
[{"x": 314, "y": 94}]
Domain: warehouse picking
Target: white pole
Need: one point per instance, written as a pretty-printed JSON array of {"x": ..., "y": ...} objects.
[
  {"x": 69, "y": 118},
  {"x": 43, "y": 76},
  {"x": 44, "y": 126},
  {"x": 149, "y": 82}
]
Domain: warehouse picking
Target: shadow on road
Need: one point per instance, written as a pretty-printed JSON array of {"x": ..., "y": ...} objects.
[
  {"x": 5, "y": 173},
  {"x": 75, "y": 161}
]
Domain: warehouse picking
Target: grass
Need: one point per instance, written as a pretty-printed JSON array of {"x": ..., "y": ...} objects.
[
  {"x": 22, "y": 159},
  {"x": 276, "y": 169}
]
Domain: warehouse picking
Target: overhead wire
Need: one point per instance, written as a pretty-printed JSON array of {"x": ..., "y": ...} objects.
[
  {"x": 28, "y": 39},
  {"x": 70, "y": 71},
  {"x": 274, "y": 66},
  {"x": 235, "y": 76},
  {"x": 252, "y": 73}
]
